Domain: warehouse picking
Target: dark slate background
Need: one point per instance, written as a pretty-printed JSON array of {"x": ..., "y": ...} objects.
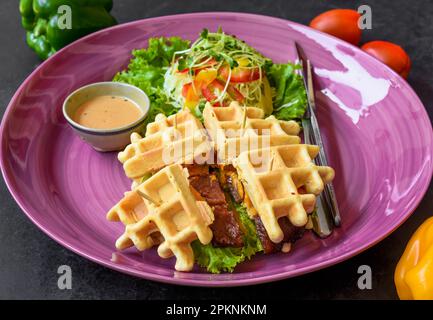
[{"x": 29, "y": 259}]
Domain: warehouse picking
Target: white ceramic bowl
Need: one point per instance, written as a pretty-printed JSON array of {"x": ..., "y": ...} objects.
[{"x": 106, "y": 139}]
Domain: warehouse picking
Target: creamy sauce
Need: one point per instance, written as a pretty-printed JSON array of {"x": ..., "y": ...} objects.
[{"x": 107, "y": 112}]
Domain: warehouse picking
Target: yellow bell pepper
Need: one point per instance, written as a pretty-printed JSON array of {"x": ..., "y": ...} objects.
[
  {"x": 205, "y": 77},
  {"x": 414, "y": 273},
  {"x": 243, "y": 62}
]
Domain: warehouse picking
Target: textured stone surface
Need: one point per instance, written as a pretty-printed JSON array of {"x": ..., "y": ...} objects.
[{"x": 29, "y": 259}]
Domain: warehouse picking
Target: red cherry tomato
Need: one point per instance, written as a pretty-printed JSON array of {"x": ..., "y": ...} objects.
[
  {"x": 390, "y": 54},
  {"x": 240, "y": 74},
  {"x": 341, "y": 23}
]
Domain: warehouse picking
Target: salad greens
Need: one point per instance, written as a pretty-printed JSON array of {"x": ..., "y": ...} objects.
[
  {"x": 290, "y": 101},
  {"x": 248, "y": 77},
  {"x": 146, "y": 71},
  {"x": 217, "y": 260},
  {"x": 149, "y": 69}
]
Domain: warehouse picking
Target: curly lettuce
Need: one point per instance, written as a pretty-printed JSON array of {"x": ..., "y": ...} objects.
[
  {"x": 290, "y": 101},
  {"x": 217, "y": 260}
]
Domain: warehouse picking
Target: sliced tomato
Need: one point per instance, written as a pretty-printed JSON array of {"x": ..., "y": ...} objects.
[
  {"x": 184, "y": 70},
  {"x": 240, "y": 74},
  {"x": 235, "y": 93},
  {"x": 208, "y": 91}
]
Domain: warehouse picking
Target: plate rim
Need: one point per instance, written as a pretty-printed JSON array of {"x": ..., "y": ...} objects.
[{"x": 14, "y": 191}]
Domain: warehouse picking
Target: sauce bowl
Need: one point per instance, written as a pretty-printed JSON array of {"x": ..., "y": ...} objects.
[{"x": 106, "y": 139}]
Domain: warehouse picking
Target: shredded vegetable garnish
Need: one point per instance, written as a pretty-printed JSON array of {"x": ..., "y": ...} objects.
[
  {"x": 235, "y": 72},
  {"x": 216, "y": 68}
]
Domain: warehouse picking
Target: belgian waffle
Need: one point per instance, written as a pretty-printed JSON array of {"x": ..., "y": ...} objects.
[
  {"x": 235, "y": 129},
  {"x": 163, "y": 210},
  {"x": 180, "y": 138},
  {"x": 272, "y": 178}
]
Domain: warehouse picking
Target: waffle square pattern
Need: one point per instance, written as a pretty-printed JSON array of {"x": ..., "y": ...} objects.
[
  {"x": 179, "y": 138},
  {"x": 283, "y": 181},
  {"x": 163, "y": 211},
  {"x": 235, "y": 129}
]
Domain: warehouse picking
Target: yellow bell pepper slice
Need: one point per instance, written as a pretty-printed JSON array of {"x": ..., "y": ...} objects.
[
  {"x": 414, "y": 272},
  {"x": 243, "y": 62},
  {"x": 266, "y": 98},
  {"x": 205, "y": 77}
]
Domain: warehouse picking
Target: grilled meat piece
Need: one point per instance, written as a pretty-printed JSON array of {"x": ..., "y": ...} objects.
[
  {"x": 235, "y": 188},
  {"x": 291, "y": 234},
  {"x": 225, "y": 228},
  {"x": 209, "y": 188},
  {"x": 197, "y": 170},
  {"x": 230, "y": 180},
  {"x": 267, "y": 244}
]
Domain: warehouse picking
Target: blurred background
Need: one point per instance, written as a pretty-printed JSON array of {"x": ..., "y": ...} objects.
[{"x": 29, "y": 259}]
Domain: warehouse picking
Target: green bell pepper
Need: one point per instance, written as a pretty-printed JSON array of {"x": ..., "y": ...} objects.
[{"x": 47, "y": 26}]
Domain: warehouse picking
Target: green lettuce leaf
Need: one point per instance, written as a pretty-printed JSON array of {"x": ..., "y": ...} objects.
[
  {"x": 217, "y": 260},
  {"x": 290, "y": 101},
  {"x": 252, "y": 243},
  {"x": 146, "y": 71}
]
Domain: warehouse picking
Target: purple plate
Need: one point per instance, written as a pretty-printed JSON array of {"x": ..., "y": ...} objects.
[{"x": 377, "y": 134}]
